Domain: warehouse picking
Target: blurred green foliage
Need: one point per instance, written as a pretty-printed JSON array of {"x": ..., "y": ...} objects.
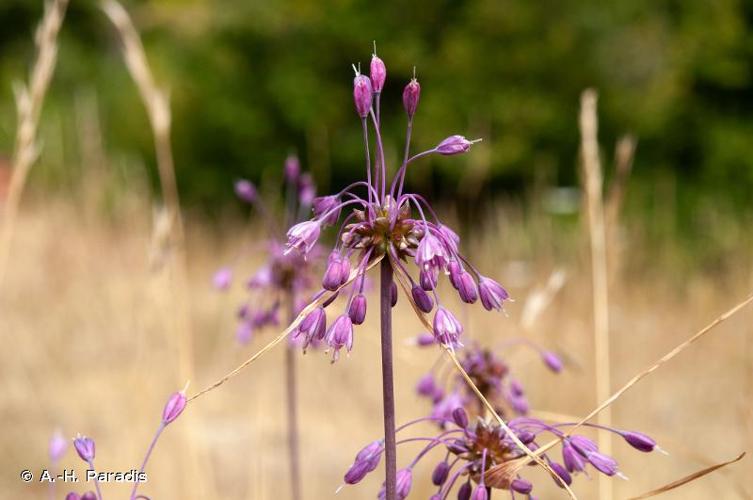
[{"x": 251, "y": 81}]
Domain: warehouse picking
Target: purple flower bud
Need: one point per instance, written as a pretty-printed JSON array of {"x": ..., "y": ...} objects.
[
  {"x": 428, "y": 279},
  {"x": 89, "y": 495},
  {"x": 447, "y": 329},
  {"x": 603, "y": 463},
  {"x": 516, "y": 388},
  {"x": 357, "y": 309},
  {"x": 525, "y": 437},
  {"x": 366, "y": 461},
  {"x": 393, "y": 294},
  {"x": 451, "y": 238},
  {"x": 464, "y": 492},
  {"x": 292, "y": 168},
  {"x": 422, "y": 299},
  {"x": 244, "y": 332},
  {"x": 426, "y": 385},
  {"x": 84, "y": 447},
  {"x": 378, "y": 73},
  {"x": 174, "y": 407},
  {"x": 425, "y": 339},
  {"x": 455, "y": 271},
  {"x": 57, "y": 446},
  {"x": 333, "y": 276},
  {"x": 639, "y": 441},
  {"x": 411, "y": 94},
  {"x": 561, "y": 471},
  {"x": 306, "y": 189},
  {"x": 521, "y": 486},
  {"x": 404, "y": 481},
  {"x": 460, "y": 417},
  {"x": 455, "y": 144},
  {"x": 439, "y": 475},
  {"x": 340, "y": 335},
  {"x": 520, "y": 404},
  {"x": 362, "y": 95},
  {"x": 491, "y": 293},
  {"x": 480, "y": 493},
  {"x": 325, "y": 205},
  {"x": 303, "y": 236},
  {"x": 222, "y": 279},
  {"x": 552, "y": 361},
  {"x": 467, "y": 288},
  {"x": 72, "y": 496},
  {"x": 572, "y": 459},
  {"x": 245, "y": 190},
  {"x": 457, "y": 447}
]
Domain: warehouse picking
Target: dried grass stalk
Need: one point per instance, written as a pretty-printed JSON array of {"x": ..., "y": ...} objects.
[{"x": 29, "y": 102}]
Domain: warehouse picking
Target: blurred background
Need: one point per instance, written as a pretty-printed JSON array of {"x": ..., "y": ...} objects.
[{"x": 99, "y": 326}]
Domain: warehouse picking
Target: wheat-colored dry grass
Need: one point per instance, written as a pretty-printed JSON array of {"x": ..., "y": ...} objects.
[{"x": 84, "y": 325}]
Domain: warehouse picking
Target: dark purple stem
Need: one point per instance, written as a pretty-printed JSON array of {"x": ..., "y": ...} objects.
[
  {"x": 388, "y": 393},
  {"x": 146, "y": 458},
  {"x": 292, "y": 402}
]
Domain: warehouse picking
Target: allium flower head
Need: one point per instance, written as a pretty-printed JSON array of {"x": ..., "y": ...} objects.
[{"x": 84, "y": 447}]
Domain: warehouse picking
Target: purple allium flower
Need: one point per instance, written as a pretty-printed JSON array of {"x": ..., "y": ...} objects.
[
  {"x": 404, "y": 483},
  {"x": 639, "y": 441},
  {"x": 603, "y": 463},
  {"x": 327, "y": 209},
  {"x": 72, "y": 496},
  {"x": 366, "y": 461},
  {"x": 222, "y": 279},
  {"x": 378, "y": 73},
  {"x": 84, "y": 447},
  {"x": 362, "y": 94},
  {"x": 428, "y": 279},
  {"x": 314, "y": 325},
  {"x": 57, "y": 446},
  {"x": 440, "y": 472},
  {"x": 174, "y": 407},
  {"x": 411, "y": 94},
  {"x": 426, "y": 385},
  {"x": 89, "y": 495},
  {"x": 292, "y": 169},
  {"x": 447, "y": 329},
  {"x": 479, "y": 493},
  {"x": 467, "y": 288},
  {"x": 444, "y": 408},
  {"x": 245, "y": 190},
  {"x": 431, "y": 254},
  {"x": 572, "y": 459},
  {"x": 422, "y": 299},
  {"x": 552, "y": 361},
  {"x": 340, "y": 335},
  {"x": 460, "y": 417},
  {"x": 455, "y": 144},
  {"x": 303, "y": 236},
  {"x": 562, "y": 472},
  {"x": 464, "y": 492},
  {"x": 491, "y": 293},
  {"x": 357, "y": 309},
  {"x": 425, "y": 339}
]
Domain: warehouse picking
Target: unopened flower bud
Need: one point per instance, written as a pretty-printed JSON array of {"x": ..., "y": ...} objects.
[
  {"x": 362, "y": 95},
  {"x": 366, "y": 461},
  {"x": 333, "y": 274},
  {"x": 222, "y": 279},
  {"x": 245, "y": 190},
  {"x": 306, "y": 190},
  {"x": 378, "y": 73},
  {"x": 479, "y": 493},
  {"x": 453, "y": 145},
  {"x": 467, "y": 288},
  {"x": 552, "y": 361},
  {"x": 411, "y": 94},
  {"x": 425, "y": 339},
  {"x": 357, "y": 309},
  {"x": 174, "y": 407},
  {"x": 455, "y": 271},
  {"x": 639, "y": 441},
  {"x": 426, "y": 385},
  {"x": 561, "y": 471},
  {"x": 603, "y": 463},
  {"x": 439, "y": 475},
  {"x": 464, "y": 492},
  {"x": 72, "y": 496},
  {"x": 324, "y": 208},
  {"x": 84, "y": 447},
  {"x": 422, "y": 299},
  {"x": 521, "y": 486},
  {"x": 460, "y": 417},
  {"x": 89, "y": 495}
]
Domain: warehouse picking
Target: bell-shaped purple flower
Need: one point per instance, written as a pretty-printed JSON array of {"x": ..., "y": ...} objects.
[
  {"x": 338, "y": 269},
  {"x": 366, "y": 461},
  {"x": 326, "y": 209},
  {"x": 447, "y": 329},
  {"x": 572, "y": 459},
  {"x": 357, "y": 309},
  {"x": 84, "y": 447},
  {"x": 362, "y": 95},
  {"x": 562, "y": 472},
  {"x": 174, "y": 407},
  {"x": 404, "y": 482},
  {"x": 378, "y": 73},
  {"x": 455, "y": 272},
  {"x": 491, "y": 293},
  {"x": 245, "y": 190},
  {"x": 431, "y": 254},
  {"x": 583, "y": 445},
  {"x": 303, "y": 236},
  {"x": 479, "y": 493},
  {"x": 467, "y": 288},
  {"x": 455, "y": 144},
  {"x": 603, "y": 463},
  {"x": 422, "y": 299},
  {"x": 411, "y": 94},
  {"x": 314, "y": 325},
  {"x": 340, "y": 335},
  {"x": 427, "y": 278}
]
